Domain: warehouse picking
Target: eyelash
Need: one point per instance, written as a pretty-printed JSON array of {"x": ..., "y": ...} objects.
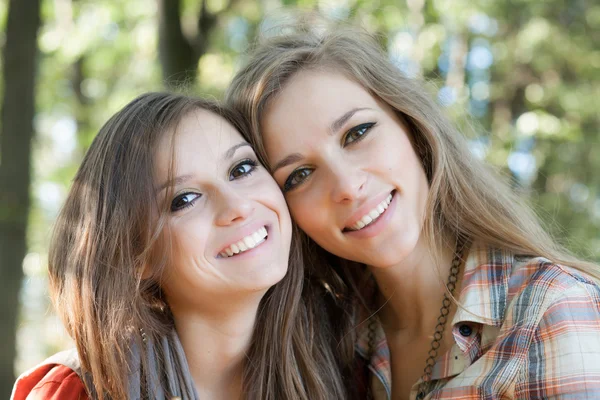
[
  {"x": 366, "y": 127},
  {"x": 188, "y": 204},
  {"x": 287, "y": 186},
  {"x": 253, "y": 165},
  {"x": 249, "y": 161}
]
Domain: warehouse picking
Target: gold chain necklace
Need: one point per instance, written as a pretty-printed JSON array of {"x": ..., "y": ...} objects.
[
  {"x": 441, "y": 321},
  {"x": 439, "y": 328}
]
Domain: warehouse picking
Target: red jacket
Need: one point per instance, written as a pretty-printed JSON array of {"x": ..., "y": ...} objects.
[{"x": 49, "y": 382}]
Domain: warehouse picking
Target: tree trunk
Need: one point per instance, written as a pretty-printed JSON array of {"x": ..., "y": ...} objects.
[
  {"x": 19, "y": 73},
  {"x": 177, "y": 56}
]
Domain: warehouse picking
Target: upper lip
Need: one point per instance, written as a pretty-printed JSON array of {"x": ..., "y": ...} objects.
[
  {"x": 365, "y": 208},
  {"x": 244, "y": 231}
]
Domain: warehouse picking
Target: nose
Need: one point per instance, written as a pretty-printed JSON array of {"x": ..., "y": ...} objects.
[
  {"x": 347, "y": 183},
  {"x": 232, "y": 207}
]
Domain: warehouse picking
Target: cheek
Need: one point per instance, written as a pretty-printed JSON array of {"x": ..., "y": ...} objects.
[
  {"x": 190, "y": 237},
  {"x": 391, "y": 153},
  {"x": 423, "y": 185},
  {"x": 397, "y": 156},
  {"x": 268, "y": 193},
  {"x": 412, "y": 165},
  {"x": 309, "y": 218}
]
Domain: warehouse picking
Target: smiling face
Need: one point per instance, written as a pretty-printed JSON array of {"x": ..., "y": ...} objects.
[
  {"x": 228, "y": 220},
  {"x": 345, "y": 162}
]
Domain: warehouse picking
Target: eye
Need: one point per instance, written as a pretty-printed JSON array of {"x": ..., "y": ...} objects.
[
  {"x": 184, "y": 200},
  {"x": 357, "y": 133},
  {"x": 244, "y": 168},
  {"x": 296, "y": 178}
]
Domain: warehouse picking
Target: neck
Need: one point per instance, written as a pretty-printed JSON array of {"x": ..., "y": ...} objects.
[
  {"x": 411, "y": 292},
  {"x": 216, "y": 344}
]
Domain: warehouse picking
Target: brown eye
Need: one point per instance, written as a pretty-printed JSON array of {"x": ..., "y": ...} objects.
[
  {"x": 242, "y": 169},
  {"x": 184, "y": 200},
  {"x": 296, "y": 178},
  {"x": 357, "y": 133}
]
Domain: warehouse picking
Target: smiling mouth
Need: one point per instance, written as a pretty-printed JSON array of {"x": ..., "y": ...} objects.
[
  {"x": 371, "y": 216},
  {"x": 247, "y": 243}
]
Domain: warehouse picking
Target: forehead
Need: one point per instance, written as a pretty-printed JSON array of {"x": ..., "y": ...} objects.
[
  {"x": 203, "y": 128},
  {"x": 201, "y": 138},
  {"x": 316, "y": 97}
]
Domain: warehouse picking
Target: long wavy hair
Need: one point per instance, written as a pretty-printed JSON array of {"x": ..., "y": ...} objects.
[
  {"x": 111, "y": 226},
  {"x": 467, "y": 200}
]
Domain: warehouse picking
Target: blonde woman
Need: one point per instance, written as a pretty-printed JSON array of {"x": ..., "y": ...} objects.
[
  {"x": 169, "y": 268},
  {"x": 453, "y": 289}
]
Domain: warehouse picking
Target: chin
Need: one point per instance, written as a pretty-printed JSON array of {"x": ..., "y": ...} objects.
[
  {"x": 394, "y": 253},
  {"x": 387, "y": 261},
  {"x": 268, "y": 276}
]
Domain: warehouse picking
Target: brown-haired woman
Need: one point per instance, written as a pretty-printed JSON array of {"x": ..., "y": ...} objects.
[
  {"x": 169, "y": 268},
  {"x": 389, "y": 195}
]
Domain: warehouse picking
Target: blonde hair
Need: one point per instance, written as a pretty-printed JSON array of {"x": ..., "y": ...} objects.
[
  {"x": 467, "y": 199},
  {"x": 112, "y": 225}
]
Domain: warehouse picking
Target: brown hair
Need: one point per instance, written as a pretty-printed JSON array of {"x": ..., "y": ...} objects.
[
  {"x": 112, "y": 224},
  {"x": 466, "y": 198}
]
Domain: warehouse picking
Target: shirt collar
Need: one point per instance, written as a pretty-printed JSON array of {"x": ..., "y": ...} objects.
[
  {"x": 482, "y": 305},
  {"x": 484, "y": 293},
  {"x": 483, "y": 299}
]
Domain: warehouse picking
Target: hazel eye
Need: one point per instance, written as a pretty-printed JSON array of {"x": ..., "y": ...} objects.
[
  {"x": 244, "y": 168},
  {"x": 297, "y": 178},
  {"x": 184, "y": 200},
  {"x": 357, "y": 133}
]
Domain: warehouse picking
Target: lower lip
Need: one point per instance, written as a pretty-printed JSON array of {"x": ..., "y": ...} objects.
[
  {"x": 253, "y": 252},
  {"x": 376, "y": 227}
]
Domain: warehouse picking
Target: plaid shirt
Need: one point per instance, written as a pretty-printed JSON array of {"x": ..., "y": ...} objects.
[{"x": 529, "y": 329}]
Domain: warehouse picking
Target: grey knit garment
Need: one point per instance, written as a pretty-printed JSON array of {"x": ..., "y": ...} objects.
[{"x": 164, "y": 359}]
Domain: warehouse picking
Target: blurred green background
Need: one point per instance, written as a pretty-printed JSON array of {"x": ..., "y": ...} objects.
[{"x": 519, "y": 77}]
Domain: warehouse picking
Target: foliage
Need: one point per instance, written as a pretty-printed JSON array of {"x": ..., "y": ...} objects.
[{"x": 520, "y": 78}]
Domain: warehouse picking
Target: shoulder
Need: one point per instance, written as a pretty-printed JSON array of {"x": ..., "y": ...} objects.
[
  {"x": 546, "y": 308},
  {"x": 569, "y": 309},
  {"x": 545, "y": 338},
  {"x": 557, "y": 313},
  {"x": 49, "y": 382},
  {"x": 542, "y": 294},
  {"x": 535, "y": 281}
]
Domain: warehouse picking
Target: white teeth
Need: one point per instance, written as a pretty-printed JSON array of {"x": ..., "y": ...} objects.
[
  {"x": 372, "y": 215},
  {"x": 247, "y": 243}
]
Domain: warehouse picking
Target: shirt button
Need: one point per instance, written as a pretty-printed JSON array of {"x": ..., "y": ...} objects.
[{"x": 465, "y": 330}]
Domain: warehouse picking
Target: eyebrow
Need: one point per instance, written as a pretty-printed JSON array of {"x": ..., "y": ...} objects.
[
  {"x": 339, "y": 123},
  {"x": 292, "y": 158},
  {"x": 229, "y": 153},
  {"x": 334, "y": 127},
  {"x": 174, "y": 182},
  {"x": 184, "y": 178}
]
